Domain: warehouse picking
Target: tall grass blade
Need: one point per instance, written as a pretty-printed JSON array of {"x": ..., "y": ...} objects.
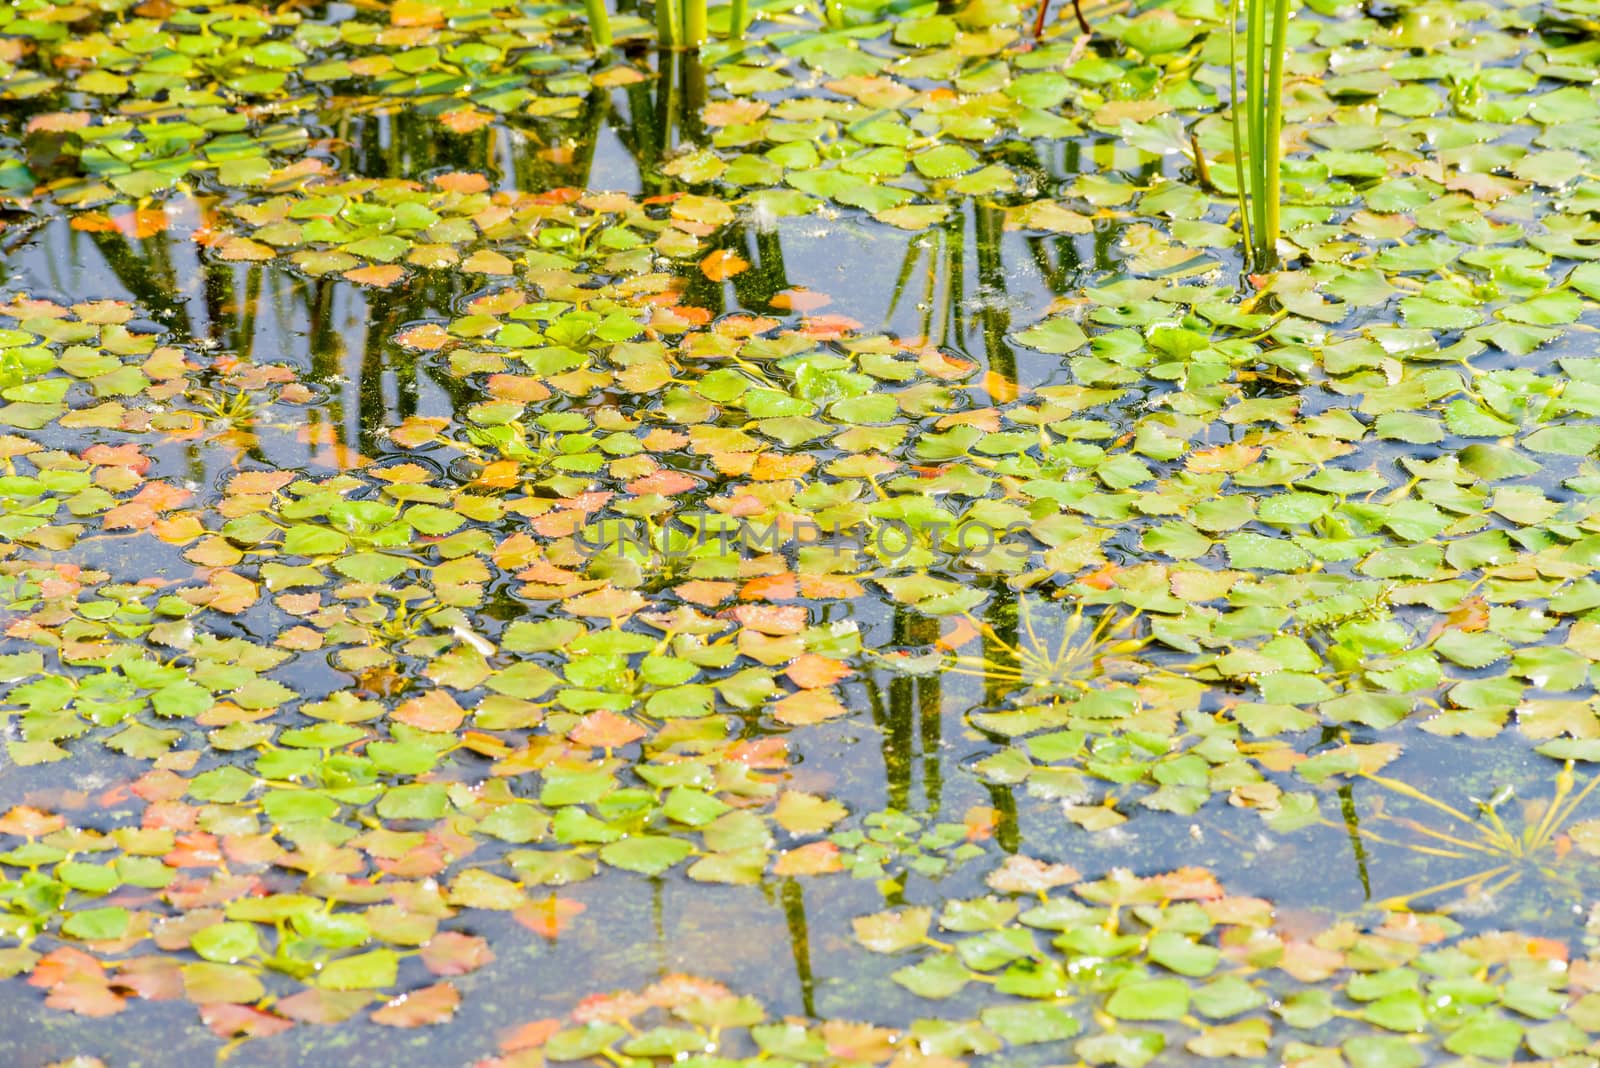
[
  {"x": 599, "y": 25},
  {"x": 694, "y": 23},
  {"x": 738, "y": 19},
  {"x": 667, "y": 23},
  {"x": 1272, "y": 187},
  {"x": 1254, "y": 76},
  {"x": 1236, "y": 108},
  {"x": 1257, "y": 122}
]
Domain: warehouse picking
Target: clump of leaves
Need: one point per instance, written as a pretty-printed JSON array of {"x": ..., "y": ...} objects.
[
  {"x": 1176, "y": 959},
  {"x": 892, "y": 844},
  {"x": 682, "y": 1018},
  {"x": 1538, "y": 846}
]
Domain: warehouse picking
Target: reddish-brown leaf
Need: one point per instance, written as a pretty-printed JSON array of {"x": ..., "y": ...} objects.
[
  {"x": 381, "y": 275},
  {"x": 30, "y": 822},
  {"x": 810, "y": 671},
  {"x": 723, "y": 264},
  {"x": 242, "y": 1021},
  {"x": 604, "y": 729},
  {"x": 431, "y": 1005},
  {"x": 813, "y": 858},
  {"x": 433, "y": 711},
  {"x": 529, "y": 1035},
  {"x": 323, "y": 1006},
  {"x": 549, "y": 916},
  {"x": 454, "y": 953},
  {"x": 771, "y": 619}
]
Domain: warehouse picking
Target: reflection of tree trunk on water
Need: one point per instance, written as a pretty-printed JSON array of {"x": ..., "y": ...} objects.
[
  {"x": 794, "y": 914},
  {"x": 327, "y": 351},
  {"x": 911, "y": 699},
  {"x": 998, "y": 641},
  {"x": 955, "y": 286},
  {"x": 382, "y": 318},
  {"x": 1060, "y": 273},
  {"x": 1332, "y": 736},
  {"x": 147, "y": 272},
  {"x": 988, "y": 224},
  {"x": 940, "y": 307},
  {"x": 657, "y": 122}
]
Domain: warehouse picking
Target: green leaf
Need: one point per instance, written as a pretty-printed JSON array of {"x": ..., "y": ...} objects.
[
  {"x": 226, "y": 943},
  {"x": 365, "y": 971},
  {"x": 645, "y": 854},
  {"x": 1026, "y": 1025},
  {"x": 1150, "y": 999},
  {"x": 97, "y": 925}
]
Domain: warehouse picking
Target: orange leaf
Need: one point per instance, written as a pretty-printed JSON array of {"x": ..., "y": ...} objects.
[
  {"x": 86, "y": 997},
  {"x": 705, "y": 591},
  {"x": 380, "y": 274},
  {"x": 808, "y": 707},
  {"x": 530, "y": 1035},
  {"x": 812, "y": 672},
  {"x": 548, "y": 917},
  {"x": 771, "y": 619},
  {"x": 428, "y": 337},
  {"x": 760, "y": 753},
  {"x": 30, "y": 822},
  {"x": 1186, "y": 884},
  {"x": 829, "y": 587},
  {"x": 664, "y": 482},
  {"x": 430, "y": 1005},
  {"x": 800, "y": 299},
  {"x": 465, "y": 120},
  {"x": 415, "y": 13},
  {"x": 723, "y": 265},
  {"x": 139, "y": 224},
  {"x": 604, "y": 729},
  {"x": 454, "y": 953},
  {"x": 434, "y": 711},
  {"x": 717, "y": 113},
  {"x": 781, "y": 587},
  {"x": 461, "y": 182},
  {"x": 961, "y": 631},
  {"x": 63, "y": 965},
  {"x": 828, "y": 327},
  {"x": 230, "y": 1021},
  {"x": 1025, "y": 875},
  {"x": 814, "y": 858}
]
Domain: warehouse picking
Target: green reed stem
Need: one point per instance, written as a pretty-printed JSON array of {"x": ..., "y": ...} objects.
[
  {"x": 1255, "y": 116},
  {"x": 1240, "y": 179},
  {"x": 694, "y": 23},
  {"x": 1272, "y": 188},
  {"x": 738, "y": 19},
  {"x": 667, "y": 23},
  {"x": 1257, "y": 119},
  {"x": 599, "y": 25}
]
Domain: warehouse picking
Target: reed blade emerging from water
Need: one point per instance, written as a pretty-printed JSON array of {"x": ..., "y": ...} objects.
[{"x": 1257, "y": 123}]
